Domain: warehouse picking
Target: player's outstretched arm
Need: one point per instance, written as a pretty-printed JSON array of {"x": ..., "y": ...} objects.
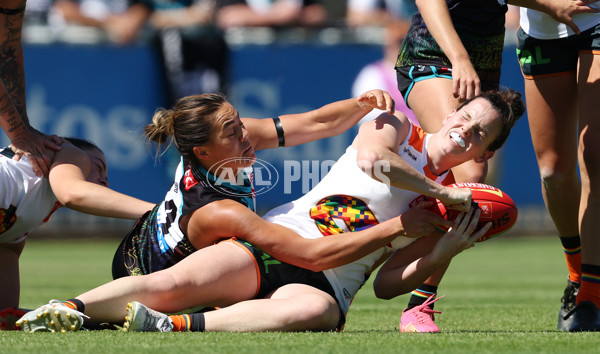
[
  {"x": 409, "y": 267},
  {"x": 68, "y": 181},
  {"x": 327, "y": 121},
  {"x": 560, "y": 10},
  {"x": 377, "y": 144},
  {"x": 465, "y": 81},
  {"x": 225, "y": 219}
]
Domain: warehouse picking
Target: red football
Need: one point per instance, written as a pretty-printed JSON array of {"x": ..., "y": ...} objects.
[{"x": 496, "y": 207}]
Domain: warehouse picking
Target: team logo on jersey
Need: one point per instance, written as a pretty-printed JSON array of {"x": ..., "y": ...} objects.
[
  {"x": 8, "y": 217},
  {"x": 188, "y": 179},
  {"x": 337, "y": 214}
]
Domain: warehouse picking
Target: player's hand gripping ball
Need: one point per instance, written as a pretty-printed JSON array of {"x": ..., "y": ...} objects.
[{"x": 496, "y": 207}]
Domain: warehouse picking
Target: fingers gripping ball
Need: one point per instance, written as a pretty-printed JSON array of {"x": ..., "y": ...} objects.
[{"x": 496, "y": 207}]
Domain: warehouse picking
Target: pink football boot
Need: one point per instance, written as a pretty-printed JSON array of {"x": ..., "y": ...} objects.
[{"x": 420, "y": 318}]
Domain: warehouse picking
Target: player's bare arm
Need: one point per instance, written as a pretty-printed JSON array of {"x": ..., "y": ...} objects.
[
  {"x": 378, "y": 141},
  {"x": 225, "y": 219},
  {"x": 13, "y": 115},
  {"x": 560, "y": 10},
  {"x": 407, "y": 268},
  {"x": 465, "y": 81},
  {"x": 329, "y": 120},
  {"x": 68, "y": 179}
]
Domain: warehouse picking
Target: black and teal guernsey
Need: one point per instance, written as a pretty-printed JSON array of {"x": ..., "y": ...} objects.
[
  {"x": 480, "y": 26},
  {"x": 157, "y": 242}
]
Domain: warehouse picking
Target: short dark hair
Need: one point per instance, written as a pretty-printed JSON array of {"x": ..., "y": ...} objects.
[
  {"x": 83, "y": 144},
  {"x": 509, "y": 105}
]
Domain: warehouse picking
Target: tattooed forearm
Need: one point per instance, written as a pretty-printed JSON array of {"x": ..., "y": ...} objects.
[
  {"x": 13, "y": 121},
  {"x": 12, "y": 71}
]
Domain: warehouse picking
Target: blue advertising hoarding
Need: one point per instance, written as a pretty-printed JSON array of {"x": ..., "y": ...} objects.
[{"x": 105, "y": 94}]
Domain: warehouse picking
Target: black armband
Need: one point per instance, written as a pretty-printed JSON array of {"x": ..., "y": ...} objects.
[{"x": 279, "y": 128}]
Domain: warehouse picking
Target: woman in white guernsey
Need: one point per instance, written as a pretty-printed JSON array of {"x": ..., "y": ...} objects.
[
  {"x": 77, "y": 180},
  {"x": 292, "y": 298}
]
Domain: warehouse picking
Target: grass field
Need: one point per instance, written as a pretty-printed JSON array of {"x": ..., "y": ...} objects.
[{"x": 501, "y": 296}]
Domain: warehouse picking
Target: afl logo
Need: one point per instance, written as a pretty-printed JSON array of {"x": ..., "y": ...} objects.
[{"x": 262, "y": 174}]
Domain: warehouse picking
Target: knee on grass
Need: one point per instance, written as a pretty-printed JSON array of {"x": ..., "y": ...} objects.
[{"x": 314, "y": 313}]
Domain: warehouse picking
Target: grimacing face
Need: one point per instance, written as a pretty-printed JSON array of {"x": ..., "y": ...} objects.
[{"x": 471, "y": 129}]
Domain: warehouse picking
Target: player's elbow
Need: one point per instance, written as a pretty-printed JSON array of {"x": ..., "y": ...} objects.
[
  {"x": 367, "y": 161},
  {"x": 71, "y": 198}
]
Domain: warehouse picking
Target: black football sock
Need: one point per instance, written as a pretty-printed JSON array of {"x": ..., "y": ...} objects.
[
  {"x": 421, "y": 294},
  {"x": 75, "y": 304},
  {"x": 188, "y": 323}
]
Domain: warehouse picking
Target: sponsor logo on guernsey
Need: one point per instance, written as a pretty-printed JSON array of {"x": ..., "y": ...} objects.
[{"x": 410, "y": 153}]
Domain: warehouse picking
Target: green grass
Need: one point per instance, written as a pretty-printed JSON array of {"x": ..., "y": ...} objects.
[{"x": 501, "y": 296}]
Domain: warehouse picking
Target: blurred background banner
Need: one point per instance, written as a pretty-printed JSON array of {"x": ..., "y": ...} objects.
[{"x": 105, "y": 94}]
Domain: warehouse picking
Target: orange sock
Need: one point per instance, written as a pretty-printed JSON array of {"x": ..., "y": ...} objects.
[
  {"x": 181, "y": 323},
  {"x": 572, "y": 248},
  {"x": 574, "y": 266},
  {"x": 70, "y": 305},
  {"x": 590, "y": 284},
  {"x": 74, "y": 304}
]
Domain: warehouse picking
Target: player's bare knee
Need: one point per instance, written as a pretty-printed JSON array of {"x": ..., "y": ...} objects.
[
  {"x": 163, "y": 286},
  {"x": 552, "y": 179},
  {"x": 316, "y": 313},
  {"x": 380, "y": 293}
]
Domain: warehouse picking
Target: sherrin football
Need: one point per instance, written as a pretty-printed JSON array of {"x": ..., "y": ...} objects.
[{"x": 496, "y": 207}]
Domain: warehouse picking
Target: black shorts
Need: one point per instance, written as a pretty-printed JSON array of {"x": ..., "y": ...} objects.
[
  {"x": 126, "y": 260},
  {"x": 118, "y": 265},
  {"x": 549, "y": 57},
  {"x": 275, "y": 274},
  {"x": 409, "y": 75}
]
